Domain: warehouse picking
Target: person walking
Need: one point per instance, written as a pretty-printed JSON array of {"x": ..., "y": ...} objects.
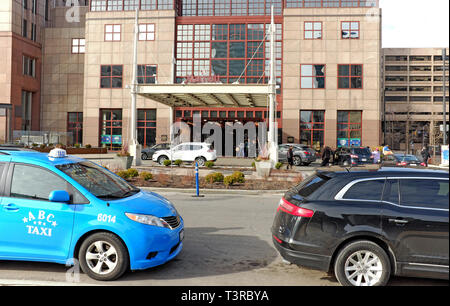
[
  {"x": 425, "y": 155},
  {"x": 376, "y": 156},
  {"x": 290, "y": 158},
  {"x": 326, "y": 155}
]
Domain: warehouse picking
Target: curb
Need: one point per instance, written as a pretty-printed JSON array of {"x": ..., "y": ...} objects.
[{"x": 215, "y": 191}]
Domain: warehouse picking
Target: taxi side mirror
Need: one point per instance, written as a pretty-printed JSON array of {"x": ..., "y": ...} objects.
[{"x": 61, "y": 196}]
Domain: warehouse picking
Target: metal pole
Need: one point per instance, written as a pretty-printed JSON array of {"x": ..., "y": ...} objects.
[
  {"x": 273, "y": 143},
  {"x": 197, "y": 185},
  {"x": 133, "y": 83},
  {"x": 444, "y": 102},
  {"x": 135, "y": 149},
  {"x": 272, "y": 81}
]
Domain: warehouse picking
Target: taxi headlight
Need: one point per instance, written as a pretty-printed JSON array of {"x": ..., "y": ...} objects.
[{"x": 148, "y": 219}]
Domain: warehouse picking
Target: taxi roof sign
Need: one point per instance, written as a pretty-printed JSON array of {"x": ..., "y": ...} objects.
[{"x": 57, "y": 153}]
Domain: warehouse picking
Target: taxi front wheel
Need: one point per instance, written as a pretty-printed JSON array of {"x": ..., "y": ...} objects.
[{"x": 103, "y": 256}]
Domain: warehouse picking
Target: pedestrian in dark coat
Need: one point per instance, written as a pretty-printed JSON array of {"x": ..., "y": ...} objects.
[
  {"x": 290, "y": 158},
  {"x": 425, "y": 155},
  {"x": 326, "y": 156}
]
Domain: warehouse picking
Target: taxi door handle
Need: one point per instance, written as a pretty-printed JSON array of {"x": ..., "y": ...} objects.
[{"x": 10, "y": 207}]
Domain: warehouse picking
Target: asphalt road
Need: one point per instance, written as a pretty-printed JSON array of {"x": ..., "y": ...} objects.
[{"x": 228, "y": 243}]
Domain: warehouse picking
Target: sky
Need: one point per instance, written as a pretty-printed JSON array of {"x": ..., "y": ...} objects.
[{"x": 415, "y": 23}]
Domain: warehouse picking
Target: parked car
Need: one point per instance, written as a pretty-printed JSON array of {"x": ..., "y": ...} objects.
[
  {"x": 147, "y": 153},
  {"x": 303, "y": 154},
  {"x": 401, "y": 160},
  {"x": 368, "y": 225},
  {"x": 61, "y": 209},
  {"x": 199, "y": 152},
  {"x": 352, "y": 156}
]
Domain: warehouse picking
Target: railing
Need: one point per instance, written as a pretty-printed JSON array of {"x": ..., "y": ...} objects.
[{"x": 37, "y": 138}]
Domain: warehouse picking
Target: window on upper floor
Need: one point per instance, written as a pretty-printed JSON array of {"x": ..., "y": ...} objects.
[
  {"x": 350, "y": 29},
  {"x": 146, "y": 74},
  {"x": 78, "y": 45},
  {"x": 313, "y": 30},
  {"x": 147, "y": 32},
  {"x": 111, "y": 76},
  {"x": 29, "y": 66},
  {"x": 312, "y": 76},
  {"x": 113, "y": 32},
  {"x": 350, "y": 76}
]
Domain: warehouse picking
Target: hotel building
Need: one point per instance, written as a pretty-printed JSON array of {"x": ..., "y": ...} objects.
[{"x": 328, "y": 66}]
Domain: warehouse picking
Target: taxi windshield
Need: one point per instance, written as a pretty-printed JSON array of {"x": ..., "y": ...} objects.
[{"x": 98, "y": 181}]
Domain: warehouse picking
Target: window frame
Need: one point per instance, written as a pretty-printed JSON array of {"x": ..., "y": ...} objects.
[
  {"x": 348, "y": 124},
  {"x": 78, "y": 46},
  {"x": 78, "y": 126},
  {"x": 146, "y": 128},
  {"x": 146, "y": 32},
  {"x": 350, "y": 30},
  {"x": 313, "y": 123},
  {"x": 112, "y": 33},
  {"x": 350, "y": 77},
  {"x": 110, "y": 77},
  {"x": 324, "y": 77},
  {"x": 313, "y": 31},
  {"x": 145, "y": 76},
  {"x": 110, "y": 146}
]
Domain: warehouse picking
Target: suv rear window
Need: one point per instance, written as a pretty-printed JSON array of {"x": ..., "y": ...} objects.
[
  {"x": 365, "y": 190},
  {"x": 311, "y": 184},
  {"x": 361, "y": 151}
]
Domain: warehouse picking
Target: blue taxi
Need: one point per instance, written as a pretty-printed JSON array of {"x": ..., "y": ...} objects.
[{"x": 63, "y": 209}]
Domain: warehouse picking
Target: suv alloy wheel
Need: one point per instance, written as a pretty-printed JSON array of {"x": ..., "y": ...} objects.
[{"x": 362, "y": 263}]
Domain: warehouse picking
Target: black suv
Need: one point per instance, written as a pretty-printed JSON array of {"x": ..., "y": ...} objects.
[
  {"x": 352, "y": 156},
  {"x": 367, "y": 225}
]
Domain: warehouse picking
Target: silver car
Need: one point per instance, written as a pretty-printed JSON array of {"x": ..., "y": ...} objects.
[{"x": 303, "y": 154}]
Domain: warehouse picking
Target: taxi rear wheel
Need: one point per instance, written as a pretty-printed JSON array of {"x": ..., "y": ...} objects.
[{"x": 103, "y": 256}]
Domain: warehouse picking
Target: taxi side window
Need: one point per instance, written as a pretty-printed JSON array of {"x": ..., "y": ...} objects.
[{"x": 34, "y": 183}]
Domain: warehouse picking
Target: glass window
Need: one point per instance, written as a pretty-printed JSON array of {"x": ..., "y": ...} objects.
[
  {"x": 349, "y": 128},
  {"x": 350, "y": 76},
  {"x": 147, "y": 32},
  {"x": 78, "y": 45},
  {"x": 427, "y": 193},
  {"x": 146, "y": 74},
  {"x": 98, "y": 181},
  {"x": 75, "y": 126},
  {"x": 312, "y": 76},
  {"x": 146, "y": 127},
  {"x": 366, "y": 190},
  {"x": 111, "y": 128},
  {"x": 350, "y": 30},
  {"x": 313, "y": 30},
  {"x": 111, "y": 76},
  {"x": 312, "y": 128},
  {"x": 113, "y": 32},
  {"x": 35, "y": 183}
]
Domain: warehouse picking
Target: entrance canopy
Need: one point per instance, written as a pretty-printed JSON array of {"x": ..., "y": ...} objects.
[{"x": 207, "y": 95}]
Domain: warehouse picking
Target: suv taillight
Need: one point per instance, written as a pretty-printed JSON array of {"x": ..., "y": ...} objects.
[
  {"x": 354, "y": 156},
  {"x": 294, "y": 210}
]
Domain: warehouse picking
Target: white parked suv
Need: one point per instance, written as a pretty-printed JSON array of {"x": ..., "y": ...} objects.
[{"x": 187, "y": 152}]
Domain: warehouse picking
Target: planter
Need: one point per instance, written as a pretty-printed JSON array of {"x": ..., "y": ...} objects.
[
  {"x": 263, "y": 168},
  {"x": 124, "y": 161}
]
